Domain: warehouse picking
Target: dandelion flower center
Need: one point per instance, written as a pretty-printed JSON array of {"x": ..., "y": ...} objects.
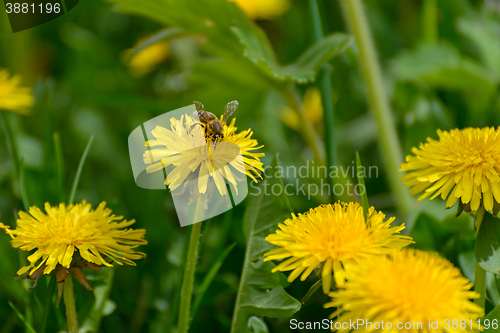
[
  {"x": 409, "y": 286},
  {"x": 333, "y": 236},
  {"x": 462, "y": 164}
]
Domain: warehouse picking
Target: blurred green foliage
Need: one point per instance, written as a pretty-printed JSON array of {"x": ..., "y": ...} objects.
[{"x": 83, "y": 88}]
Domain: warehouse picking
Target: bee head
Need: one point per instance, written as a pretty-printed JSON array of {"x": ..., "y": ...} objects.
[{"x": 218, "y": 136}]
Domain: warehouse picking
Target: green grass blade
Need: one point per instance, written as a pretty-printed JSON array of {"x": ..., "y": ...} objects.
[
  {"x": 101, "y": 295},
  {"x": 59, "y": 166},
  {"x": 226, "y": 226},
  {"x": 79, "y": 171},
  {"x": 10, "y": 143},
  {"x": 161, "y": 35},
  {"x": 47, "y": 304},
  {"x": 361, "y": 182},
  {"x": 208, "y": 279},
  {"x": 23, "y": 319},
  {"x": 26, "y": 204},
  {"x": 325, "y": 85},
  {"x": 22, "y": 184},
  {"x": 312, "y": 290}
]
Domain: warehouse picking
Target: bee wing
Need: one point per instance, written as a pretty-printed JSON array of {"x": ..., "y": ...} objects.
[
  {"x": 199, "y": 106},
  {"x": 229, "y": 110},
  {"x": 200, "y": 113},
  {"x": 202, "y": 116}
]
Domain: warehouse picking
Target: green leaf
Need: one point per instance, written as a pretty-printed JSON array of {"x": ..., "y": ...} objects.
[
  {"x": 487, "y": 247},
  {"x": 232, "y": 35},
  {"x": 442, "y": 66},
  {"x": 308, "y": 64},
  {"x": 480, "y": 32},
  {"x": 361, "y": 182},
  {"x": 261, "y": 292},
  {"x": 467, "y": 261},
  {"x": 257, "y": 325},
  {"x": 304, "y": 69},
  {"x": 493, "y": 320},
  {"x": 429, "y": 234},
  {"x": 210, "y": 18}
]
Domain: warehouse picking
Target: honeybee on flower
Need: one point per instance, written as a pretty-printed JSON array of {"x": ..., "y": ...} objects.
[{"x": 204, "y": 151}]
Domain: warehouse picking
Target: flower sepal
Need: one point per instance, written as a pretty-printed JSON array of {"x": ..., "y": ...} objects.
[
  {"x": 76, "y": 270},
  {"x": 62, "y": 273}
]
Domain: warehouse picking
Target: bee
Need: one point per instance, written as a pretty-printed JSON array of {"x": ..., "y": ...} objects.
[{"x": 213, "y": 126}]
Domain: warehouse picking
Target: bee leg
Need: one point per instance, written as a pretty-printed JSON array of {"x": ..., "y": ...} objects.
[{"x": 193, "y": 126}]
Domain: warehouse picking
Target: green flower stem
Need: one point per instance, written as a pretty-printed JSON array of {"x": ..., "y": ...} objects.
[
  {"x": 188, "y": 280},
  {"x": 480, "y": 274},
  {"x": 11, "y": 145},
  {"x": 325, "y": 85},
  {"x": 429, "y": 21},
  {"x": 69, "y": 302},
  {"x": 388, "y": 138},
  {"x": 59, "y": 166},
  {"x": 308, "y": 132}
]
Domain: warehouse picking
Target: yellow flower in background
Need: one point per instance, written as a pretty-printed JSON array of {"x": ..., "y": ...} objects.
[
  {"x": 13, "y": 97},
  {"x": 263, "y": 9},
  {"x": 332, "y": 236},
  {"x": 146, "y": 60},
  {"x": 409, "y": 286},
  {"x": 65, "y": 232},
  {"x": 313, "y": 107},
  {"x": 462, "y": 164},
  {"x": 184, "y": 147}
]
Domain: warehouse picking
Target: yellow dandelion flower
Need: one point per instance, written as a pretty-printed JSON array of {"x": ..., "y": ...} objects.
[
  {"x": 146, "y": 60},
  {"x": 13, "y": 97},
  {"x": 313, "y": 108},
  {"x": 407, "y": 287},
  {"x": 462, "y": 164},
  {"x": 333, "y": 236},
  {"x": 263, "y": 9},
  {"x": 63, "y": 232},
  {"x": 193, "y": 156}
]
